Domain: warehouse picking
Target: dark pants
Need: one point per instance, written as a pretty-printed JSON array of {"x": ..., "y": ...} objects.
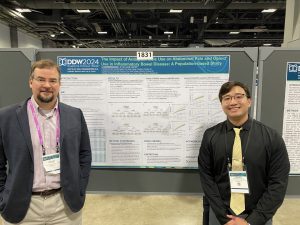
[
  {"x": 205, "y": 211},
  {"x": 214, "y": 221}
]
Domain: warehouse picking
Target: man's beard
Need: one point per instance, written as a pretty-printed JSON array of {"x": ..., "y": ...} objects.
[{"x": 45, "y": 99}]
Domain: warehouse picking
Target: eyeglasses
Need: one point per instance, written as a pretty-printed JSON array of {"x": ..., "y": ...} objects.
[
  {"x": 43, "y": 81},
  {"x": 237, "y": 97}
]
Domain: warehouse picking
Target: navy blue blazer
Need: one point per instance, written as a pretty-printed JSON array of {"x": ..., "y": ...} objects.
[{"x": 16, "y": 159}]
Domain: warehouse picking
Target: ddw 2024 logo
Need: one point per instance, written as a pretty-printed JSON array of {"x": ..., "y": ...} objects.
[
  {"x": 294, "y": 68},
  {"x": 78, "y": 61}
]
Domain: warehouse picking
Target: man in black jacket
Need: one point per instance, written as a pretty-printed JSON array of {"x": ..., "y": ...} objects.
[{"x": 263, "y": 179}]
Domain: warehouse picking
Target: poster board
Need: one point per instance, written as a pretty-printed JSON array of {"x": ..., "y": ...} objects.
[
  {"x": 243, "y": 67},
  {"x": 15, "y": 66},
  {"x": 138, "y": 98},
  {"x": 278, "y": 98}
]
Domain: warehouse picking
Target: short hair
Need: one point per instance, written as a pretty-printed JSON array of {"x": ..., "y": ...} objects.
[
  {"x": 44, "y": 64},
  {"x": 226, "y": 87}
]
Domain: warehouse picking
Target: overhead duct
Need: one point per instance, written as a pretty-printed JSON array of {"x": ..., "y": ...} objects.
[
  {"x": 112, "y": 13},
  {"x": 97, "y": 27},
  {"x": 220, "y": 42}
]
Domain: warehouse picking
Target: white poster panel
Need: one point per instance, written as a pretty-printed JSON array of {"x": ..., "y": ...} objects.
[
  {"x": 291, "y": 116},
  {"x": 145, "y": 113}
]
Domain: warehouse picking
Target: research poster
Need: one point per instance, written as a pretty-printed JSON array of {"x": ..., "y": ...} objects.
[
  {"x": 291, "y": 117},
  {"x": 145, "y": 113}
]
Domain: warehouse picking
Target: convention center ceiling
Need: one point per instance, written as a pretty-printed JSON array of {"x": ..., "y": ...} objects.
[{"x": 149, "y": 23}]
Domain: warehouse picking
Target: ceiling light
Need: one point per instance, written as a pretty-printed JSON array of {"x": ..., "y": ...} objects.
[
  {"x": 192, "y": 19},
  {"x": 205, "y": 19},
  {"x": 23, "y": 10},
  {"x": 73, "y": 46},
  {"x": 269, "y": 10},
  {"x": 163, "y": 45},
  {"x": 61, "y": 32},
  {"x": 234, "y": 32},
  {"x": 168, "y": 32},
  {"x": 217, "y": 20},
  {"x": 175, "y": 10},
  {"x": 52, "y": 35},
  {"x": 83, "y": 10},
  {"x": 16, "y": 14},
  {"x": 102, "y": 32},
  {"x": 268, "y": 44}
]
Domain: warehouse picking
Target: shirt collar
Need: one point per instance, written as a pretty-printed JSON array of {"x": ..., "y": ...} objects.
[
  {"x": 245, "y": 126},
  {"x": 37, "y": 107}
]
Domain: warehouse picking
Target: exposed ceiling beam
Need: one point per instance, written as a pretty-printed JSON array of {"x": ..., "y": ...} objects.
[
  {"x": 246, "y": 30},
  {"x": 148, "y": 5}
]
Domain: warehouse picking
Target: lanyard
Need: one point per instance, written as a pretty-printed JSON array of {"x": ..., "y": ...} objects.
[
  {"x": 38, "y": 128},
  {"x": 246, "y": 147}
]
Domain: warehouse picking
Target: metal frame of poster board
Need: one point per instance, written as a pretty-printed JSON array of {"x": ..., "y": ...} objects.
[
  {"x": 271, "y": 93},
  {"x": 149, "y": 180}
]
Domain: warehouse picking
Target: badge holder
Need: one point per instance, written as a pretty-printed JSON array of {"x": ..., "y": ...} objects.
[{"x": 239, "y": 181}]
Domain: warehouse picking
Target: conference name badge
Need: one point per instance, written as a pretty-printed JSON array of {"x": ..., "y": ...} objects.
[
  {"x": 51, "y": 163},
  {"x": 238, "y": 182}
]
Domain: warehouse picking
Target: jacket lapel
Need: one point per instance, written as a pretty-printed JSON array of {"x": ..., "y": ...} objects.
[
  {"x": 62, "y": 121},
  {"x": 24, "y": 124}
]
